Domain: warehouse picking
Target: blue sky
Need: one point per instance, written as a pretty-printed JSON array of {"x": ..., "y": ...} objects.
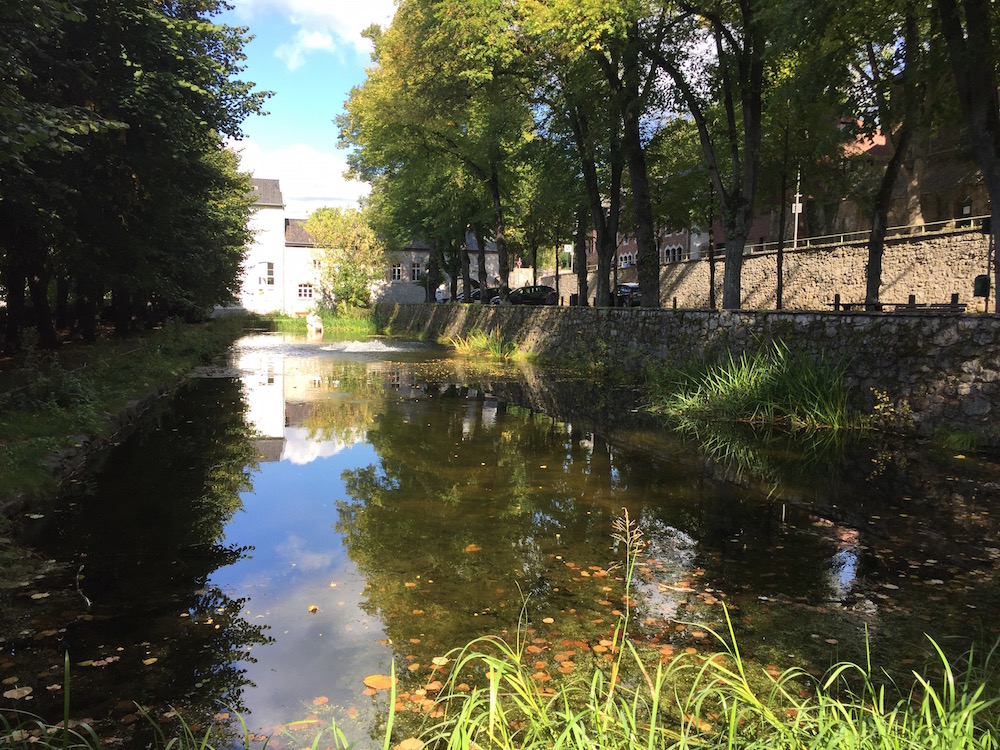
[{"x": 309, "y": 53}]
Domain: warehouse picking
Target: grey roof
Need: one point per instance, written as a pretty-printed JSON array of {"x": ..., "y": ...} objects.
[
  {"x": 296, "y": 234},
  {"x": 268, "y": 193}
]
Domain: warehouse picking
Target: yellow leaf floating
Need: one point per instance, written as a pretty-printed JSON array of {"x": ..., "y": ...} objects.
[
  {"x": 151, "y": 660},
  {"x": 379, "y": 681},
  {"x": 313, "y": 609},
  {"x": 17, "y": 693},
  {"x": 473, "y": 548}
]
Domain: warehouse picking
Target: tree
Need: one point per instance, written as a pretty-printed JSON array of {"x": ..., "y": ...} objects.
[
  {"x": 968, "y": 28},
  {"x": 448, "y": 83},
  {"x": 352, "y": 258},
  {"x": 128, "y": 191},
  {"x": 733, "y": 76}
]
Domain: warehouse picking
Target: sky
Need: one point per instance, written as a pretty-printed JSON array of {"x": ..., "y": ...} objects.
[{"x": 309, "y": 53}]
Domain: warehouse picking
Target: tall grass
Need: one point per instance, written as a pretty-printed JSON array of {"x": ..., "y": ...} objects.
[
  {"x": 486, "y": 344},
  {"x": 772, "y": 387},
  {"x": 350, "y": 321}
]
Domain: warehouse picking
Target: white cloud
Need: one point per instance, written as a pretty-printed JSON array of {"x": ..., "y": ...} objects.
[
  {"x": 310, "y": 178},
  {"x": 301, "y": 449},
  {"x": 293, "y": 53},
  {"x": 338, "y": 23}
]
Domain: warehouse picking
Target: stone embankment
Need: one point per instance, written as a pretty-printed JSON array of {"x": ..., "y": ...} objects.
[{"x": 942, "y": 370}]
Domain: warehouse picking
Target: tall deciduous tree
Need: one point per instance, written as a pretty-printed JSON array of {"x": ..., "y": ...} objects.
[
  {"x": 352, "y": 257},
  {"x": 732, "y": 74},
  {"x": 969, "y": 29}
]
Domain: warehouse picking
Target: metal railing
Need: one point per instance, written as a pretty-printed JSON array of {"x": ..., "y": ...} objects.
[{"x": 948, "y": 226}]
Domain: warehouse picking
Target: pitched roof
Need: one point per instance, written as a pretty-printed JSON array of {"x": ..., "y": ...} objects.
[
  {"x": 296, "y": 234},
  {"x": 267, "y": 193}
]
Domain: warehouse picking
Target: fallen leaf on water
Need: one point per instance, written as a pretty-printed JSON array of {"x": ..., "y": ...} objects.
[
  {"x": 40, "y": 595},
  {"x": 379, "y": 681},
  {"x": 369, "y": 692},
  {"x": 410, "y": 584},
  {"x": 411, "y": 743},
  {"x": 151, "y": 660},
  {"x": 541, "y": 677},
  {"x": 313, "y": 609},
  {"x": 439, "y": 661},
  {"x": 11, "y": 681},
  {"x": 473, "y": 548},
  {"x": 17, "y": 693},
  {"x": 418, "y": 611},
  {"x": 548, "y": 620},
  {"x": 321, "y": 700}
]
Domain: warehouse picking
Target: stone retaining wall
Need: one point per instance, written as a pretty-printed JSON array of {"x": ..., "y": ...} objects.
[
  {"x": 944, "y": 369},
  {"x": 932, "y": 268}
]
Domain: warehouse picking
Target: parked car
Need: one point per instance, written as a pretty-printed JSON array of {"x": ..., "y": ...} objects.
[
  {"x": 627, "y": 295},
  {"x": 491, "y": 292},
  {"x": 530, "y": 295}
]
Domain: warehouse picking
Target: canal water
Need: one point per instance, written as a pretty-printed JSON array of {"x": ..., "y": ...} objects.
[{"x": 315, "y": 513}]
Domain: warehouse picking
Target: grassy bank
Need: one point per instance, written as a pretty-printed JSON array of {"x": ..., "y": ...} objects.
[{"x": 52, "y": 400}]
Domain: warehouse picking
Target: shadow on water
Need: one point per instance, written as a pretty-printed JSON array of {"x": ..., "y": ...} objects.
[{"x": 318, "y": 512}]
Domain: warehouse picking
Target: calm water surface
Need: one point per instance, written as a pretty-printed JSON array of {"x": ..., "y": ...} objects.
[{"x": 318, "y": 512}]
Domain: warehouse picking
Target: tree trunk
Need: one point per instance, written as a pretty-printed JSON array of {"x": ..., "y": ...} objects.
[
  {"x": 466, "y": 277},
  {"x": 647, "y": 260},
  {"x": 481, "y": 241},
  {"x": 498, "y": 232},
  {"x": 880, "y": 218},
  {"x": 972, "y": 52},
  {"x": 62, "y": 302},
  {"x": 580, "y": 253},
  {"x": 14, "y": 279},
  {"x": 38, "y": 285}
]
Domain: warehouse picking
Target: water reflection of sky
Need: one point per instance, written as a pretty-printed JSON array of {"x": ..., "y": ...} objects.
[{"x": 298, "y": 561}]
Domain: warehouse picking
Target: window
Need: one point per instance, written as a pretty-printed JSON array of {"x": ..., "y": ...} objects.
[
  {"x": 305, "y": 291},
  {"x": 396, "y": 273},
  {"x": 270, "y": 274},
  {"x": 317, "y": 264},
  {"x": 415, "y": 271}
]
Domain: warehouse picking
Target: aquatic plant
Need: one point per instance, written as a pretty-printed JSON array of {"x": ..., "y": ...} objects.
[
  {"x": 482, "y": 343},
  {"x": 774, "y": 386}
]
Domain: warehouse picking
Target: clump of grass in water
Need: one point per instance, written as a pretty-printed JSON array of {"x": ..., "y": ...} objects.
[
  {"x": 482, "y": 343},
  {"x": 772, "y": 387}
]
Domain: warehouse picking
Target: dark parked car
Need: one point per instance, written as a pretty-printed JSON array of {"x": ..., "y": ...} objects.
[
  {"x": 530, "y": 295},
  {"x": 491, "y": 292},
  {"x": 627, "y": 295}
]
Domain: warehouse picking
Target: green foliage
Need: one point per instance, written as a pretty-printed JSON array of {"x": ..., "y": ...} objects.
[
  {"x": 772, "y": 387},
  {"x": 117, "y": 181},
  {"x": 353, "y": 257},
  {"x": 47, "y": 401},
  {"x": 353, "y": 322},
  {"x": 483, "y": 343}
]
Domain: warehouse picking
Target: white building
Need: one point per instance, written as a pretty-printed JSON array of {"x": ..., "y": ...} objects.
[
  {"x": 282, "y": 269},
  {"x": 278, "y": 276}
]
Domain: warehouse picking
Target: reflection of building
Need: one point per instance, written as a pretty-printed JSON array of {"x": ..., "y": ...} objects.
[{"x": 284, "y": 395}]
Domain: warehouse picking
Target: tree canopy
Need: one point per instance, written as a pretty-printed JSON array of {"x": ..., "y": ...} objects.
[{"x": 118, "y": 198}]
